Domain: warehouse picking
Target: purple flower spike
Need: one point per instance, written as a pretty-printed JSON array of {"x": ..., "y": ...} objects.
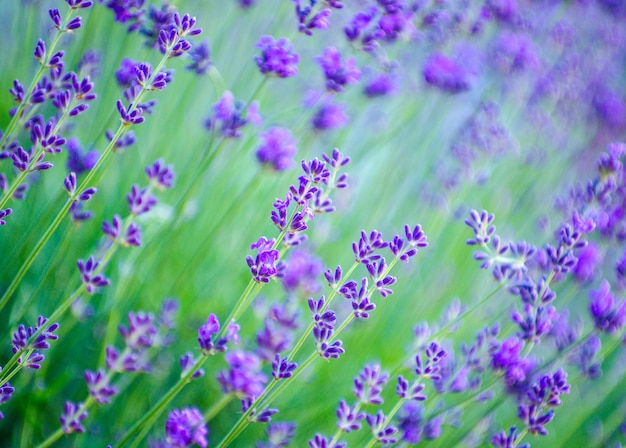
[
  {"x": 90, "y": 278},
  {"x": 159, "y": 175},
  {"x": 282, "y": 368},
  {"x": 186, "y": 362},
  {"x": 185, "y": 427},
  {"x": 278, "y": 148},
  {"x": 481, "y": 225},
  {"x": 608, "y": 314},
  {"x": 349, "y": 419},
  {"x": 430, "y": 368},
  {"x": 377, "y": 271},
  {"x": 243, "y": 376},
  {"x": 279, "y": 435},
  {"x": 366, "y": 246},
  {"x": 200, "y": 58},
  {"x": 264, "y": 266},
  {"x": 384, "y": 434},
  {"x": 507, "y": 440},
  {"x": 73, "y": 415},
  {"x": 330, "y": 116},
  {"x": 140, "y": 200},
  {"x": 79, "y": 160},
  {"x": 369, "y": 384},
  {"x": 206, "y": 332},
  {"x": 40, "y": 51},
  {"x": 410, "y": 392},
  {"x": 128, "y": 118},
  {"x": 337, "y": 74},
  {"x": 78, "y": 4},
  {"x": 3, "y": 214},
  {"x": 446, "y": 74},
  {"x": 320, "y": 441},
  {"x": 99, "y": 387},
  {"x": 141, "y": 332},
  {"x": 277, "y": 57},
  {"x": 325, "y": 348},
  {"x": 333, "y": 278},
  {"x": 186, "y": 25}
]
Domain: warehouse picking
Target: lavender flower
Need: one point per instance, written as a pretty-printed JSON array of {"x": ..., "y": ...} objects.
[
  {"x": 608, "y": 314},
  {"x": 90, "y": 275},
  {"x": 140, "y": 200},
  {"x": 79, "y": 160},
  {"x": 200, "y": 58},
  {"x": 368, "y": 385},
  {"x": 349, "y": 419},
  {"x": 185, "y": 427},
  {"x": 23, "y": 341},
  {"x": 228, "y": 116},
  {"x": 99, "y": 387},
  {"x": 160, "y": 176},
  {"x": 278, "y": 148},
  {"x": 243, "y": 376},
  {"x": 302, "y": 271},
  {"x": 330, "y": 116},
  {"x": 279, "y": 435},
  {"x": 265, "y": 265},
  {"x": 277, "y": 57},
  {"x": 446, "y": 74},
  {"x": 338, "y": 74},
  {"x": 73, "y": 415}
]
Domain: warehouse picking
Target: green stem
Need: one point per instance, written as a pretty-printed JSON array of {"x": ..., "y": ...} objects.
[{"x": 156, "y": 410}]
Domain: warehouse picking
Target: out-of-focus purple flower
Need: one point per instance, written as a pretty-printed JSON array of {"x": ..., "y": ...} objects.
[
  {"x": 186, "y": 362},
  {"x": 185, "y": 427},
  {"x": 79, "y": 160},
  {"x": 349, "y": 419},
  {"x": 277, "y": 57},
  {"x": 608, "y": 313},
  {"x": 610, "y": 107},
  {"x": 127, "y": 11},
  {"x": 514, "y": 53},
  {"x": 381, "y": 85},
  {"x": 503, "y": 10},
  {"x": 89, "y": 64},
  {"x": 384, "y": 434},
  {"x": 589, "y": 258},
  {"x": 330, "y": 116},
  {"x": 126, "y": 74},
  {"x": 228, "y": 116},
  {"x": 586, "y": 359},
  {"x": 369, "y": 383},
  {"x": 279, "y": 435},
  {"x": 278, "y": 148},
  {"x": 73, "y": 415},
  {"x": 3, "y": 214},
  {"x": 507, "y": 358},
  {"x": 338, "y": 74},
  {"x": 140, "y": 200},
  {"x": 319, "y": 441},
  {"x": 200, "y": 56},
  {"x": 446, "y": 74},
  {"x": 243, "y": 376},
  {"x": 507, "y": 440},
  {"x": 160, "y": 176},
  {"x": 99, "y": 386},
  {"x": 303, "y": 271}
]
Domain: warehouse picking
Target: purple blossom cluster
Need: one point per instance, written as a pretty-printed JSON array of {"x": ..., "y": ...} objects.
[
  {"x": 144, "y": 334},
  {"x": 228, "y": 116}
]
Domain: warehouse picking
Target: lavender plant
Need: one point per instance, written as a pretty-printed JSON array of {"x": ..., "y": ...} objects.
[{"x": 392, "y": 223}]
